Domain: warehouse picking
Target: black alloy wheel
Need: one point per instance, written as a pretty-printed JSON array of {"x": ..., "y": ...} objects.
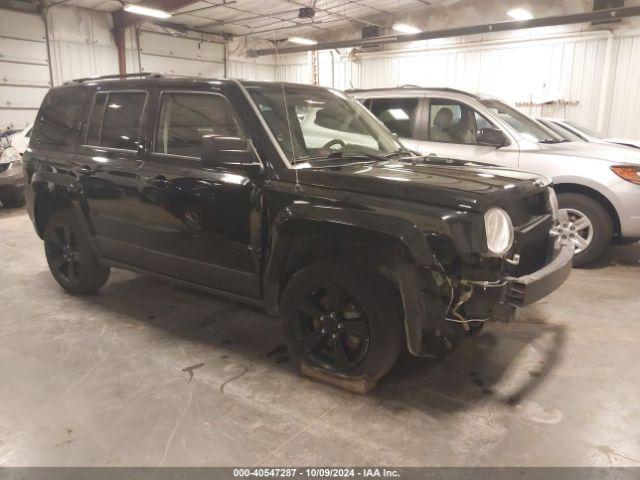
[
  {"x": 62, "y": 248},
  {"x": 70, "y": 256},
  {"x": 343, "y": 318},
  {"x": 331, "y": 330}
]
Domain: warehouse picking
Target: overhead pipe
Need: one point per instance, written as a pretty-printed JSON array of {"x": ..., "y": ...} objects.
[{"x": 586, "y": 17}]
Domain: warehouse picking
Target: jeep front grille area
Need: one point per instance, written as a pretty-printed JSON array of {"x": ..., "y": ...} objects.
[
  {"x": 534, "y": 245},
  {"x": 525, "y": 209}
]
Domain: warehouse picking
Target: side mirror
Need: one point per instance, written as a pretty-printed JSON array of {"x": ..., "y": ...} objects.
[
  {"x": 491, "y": 137},
  {"x": 232, "y": 152}
]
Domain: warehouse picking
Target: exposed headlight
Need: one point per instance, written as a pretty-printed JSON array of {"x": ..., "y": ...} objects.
[
  {"x": 553, "y": 205},
  {"x": 9, "y": 155},
  {"x": 499, "y": 230}
]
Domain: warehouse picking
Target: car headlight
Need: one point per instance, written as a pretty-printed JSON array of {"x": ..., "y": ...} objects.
[
  {"x": 499, "y": 230},
  {"x": 553, "y": 205},
  {"x": 9, "y": 155}
]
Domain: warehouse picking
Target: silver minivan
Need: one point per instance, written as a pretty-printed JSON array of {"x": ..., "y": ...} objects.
[{"x": 597, "y": 184}]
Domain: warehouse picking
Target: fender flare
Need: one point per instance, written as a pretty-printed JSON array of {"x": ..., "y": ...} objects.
[
  {"x": 419, "y": 313},
  {"x": 45, "y": 183}
]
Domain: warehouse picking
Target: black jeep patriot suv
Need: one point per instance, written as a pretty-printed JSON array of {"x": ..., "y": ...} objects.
[{"x": 290, "y": 197}]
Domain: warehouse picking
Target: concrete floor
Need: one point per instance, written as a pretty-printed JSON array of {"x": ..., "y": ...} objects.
[{"x": 105, "y": 380}]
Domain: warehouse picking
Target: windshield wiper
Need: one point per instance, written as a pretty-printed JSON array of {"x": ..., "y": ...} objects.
[
  {"x": 357, "y": 155},
  {"x": 405, "y": 152},
  {"x": 550, "y": 140}
]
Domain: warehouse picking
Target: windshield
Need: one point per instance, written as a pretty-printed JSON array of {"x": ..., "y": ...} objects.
[
  {"x": 320, "y": 123},
  {"x": 525, "y": 126},
  {"x": 562, "y": 131},
  {"x": 588, "y": 131}
]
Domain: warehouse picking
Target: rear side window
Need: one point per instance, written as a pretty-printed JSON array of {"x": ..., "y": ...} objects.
[
  {"x": 58, "y": 120},
  {"x": 186, "y": 117},
  {"x": 398, "y": 114},
  {"x": 115, "y": 120}
]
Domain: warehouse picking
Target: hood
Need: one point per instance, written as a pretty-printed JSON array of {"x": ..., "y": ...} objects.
[
  {"x": 624, "y": 141},
  {"x": 601, "y": 151},
  {"x": 449, "y": 183}
]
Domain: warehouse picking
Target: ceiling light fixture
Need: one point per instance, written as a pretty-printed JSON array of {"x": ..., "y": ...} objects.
[
  {"x": 520, "y": 14},
  {"x": 302, "y": 41},
  {"x": 404, "y": 28},
  {"x": 146, "y": 11}
]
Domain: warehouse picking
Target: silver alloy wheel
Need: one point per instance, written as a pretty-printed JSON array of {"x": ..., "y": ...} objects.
[{"x": 578, "y": 229}]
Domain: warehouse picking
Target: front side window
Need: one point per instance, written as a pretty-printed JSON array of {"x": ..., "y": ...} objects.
[
  {"x": 186, "y": 117},
  {"x": 455, "y": 122},
  {"x": 398, "y": 114},
  {"x": 313, "y": 123},
  {"x": 525, "y": 126}
]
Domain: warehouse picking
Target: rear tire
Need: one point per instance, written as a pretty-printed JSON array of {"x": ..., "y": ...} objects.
[
  {"x": 343, "y": 319},
  {"x": 14, "y": 199},
  {"x": 18, "y": 200},
  {"x": 594, "y": 227},
  {"x": 71, "y": 258}
]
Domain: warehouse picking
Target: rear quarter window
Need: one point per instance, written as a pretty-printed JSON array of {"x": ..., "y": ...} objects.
[{"x": 58, "y": 121}]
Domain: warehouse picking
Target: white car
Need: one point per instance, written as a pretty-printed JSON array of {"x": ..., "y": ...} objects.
[
  {"x": 20, "y": 140},
  {"x": 597, "y": 184},
  {"x": 577, "y": 132}
]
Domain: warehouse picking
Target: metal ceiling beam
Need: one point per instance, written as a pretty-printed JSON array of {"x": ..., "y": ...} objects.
[{"x": 585, "y": 17}]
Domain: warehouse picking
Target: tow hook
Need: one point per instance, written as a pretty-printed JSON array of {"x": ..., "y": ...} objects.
[{"x": 513, "y": 261}]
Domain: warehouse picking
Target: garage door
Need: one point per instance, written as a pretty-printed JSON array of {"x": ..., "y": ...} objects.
[
  {"x": 180, "y": 56},
  {"x": 24, "y": 69}
]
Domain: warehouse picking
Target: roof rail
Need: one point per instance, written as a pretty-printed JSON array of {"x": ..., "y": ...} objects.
[
  {"x": 115, "y": 76},
  {"x": 409, "y": 85}
]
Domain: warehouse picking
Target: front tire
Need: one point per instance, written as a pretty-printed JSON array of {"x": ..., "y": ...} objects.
[
  {"x": 590, "y": 227},
  {"x": 343, "y": 320},
  {"x": 71, "y": 257}
]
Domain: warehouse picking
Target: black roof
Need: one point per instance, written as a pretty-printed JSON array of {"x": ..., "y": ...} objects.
[{"x": 159, "y": 79}]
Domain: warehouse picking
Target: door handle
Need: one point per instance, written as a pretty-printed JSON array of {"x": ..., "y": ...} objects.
[{"x": 159, "y": 181}]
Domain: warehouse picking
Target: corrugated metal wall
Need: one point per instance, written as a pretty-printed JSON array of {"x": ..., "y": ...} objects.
[
  {"x": 81, "y": 44},
  {"x": 624, "y": 116},
  {"x": 568, "y": 69}
]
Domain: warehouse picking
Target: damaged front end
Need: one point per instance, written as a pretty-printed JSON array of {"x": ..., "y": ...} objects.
[{"x": 465, "y": 290}]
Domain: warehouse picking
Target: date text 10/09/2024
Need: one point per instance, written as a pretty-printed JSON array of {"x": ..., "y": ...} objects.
[{"x": 316, "y": 472}]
